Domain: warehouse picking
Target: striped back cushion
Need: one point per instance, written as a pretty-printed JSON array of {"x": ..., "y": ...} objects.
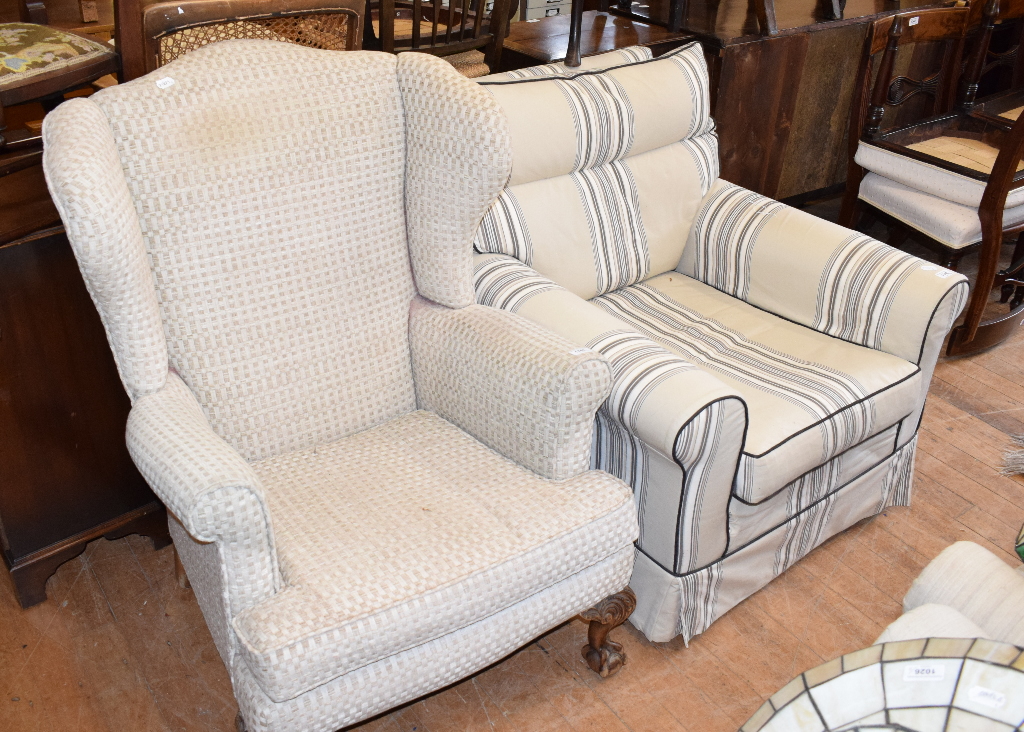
[{"x": 608, "y": 170}]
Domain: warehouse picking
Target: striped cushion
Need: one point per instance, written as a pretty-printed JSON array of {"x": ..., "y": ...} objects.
[
  {"x": 814, "y": 272},
  {"x": 608, "y": 167},
  {"x": 618, "y": 57},
  {"x": 809, "y": 397}
]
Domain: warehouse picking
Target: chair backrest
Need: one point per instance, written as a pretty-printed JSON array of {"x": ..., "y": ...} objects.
[
  {"x": 983, "y": 60},
  {"x": 908, "y": 86},
  {"x": 240, "y": 216},
  {"x": 609, "y": 168},
  {"x": 152, "y": 34},
  {"x": 443, "y": 27}
]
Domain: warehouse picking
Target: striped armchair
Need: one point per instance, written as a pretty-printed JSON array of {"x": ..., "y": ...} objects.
[{"x": 769, "y": 368}]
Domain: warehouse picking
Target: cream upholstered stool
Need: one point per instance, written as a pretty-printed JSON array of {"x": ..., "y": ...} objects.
[
  {"x": 965, "y": 592},
  {"x": 376, "y": 486},
  {"x": 769, "y": 368}
]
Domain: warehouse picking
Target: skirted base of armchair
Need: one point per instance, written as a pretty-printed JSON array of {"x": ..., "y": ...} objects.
[{"x": 687, "y": 604}]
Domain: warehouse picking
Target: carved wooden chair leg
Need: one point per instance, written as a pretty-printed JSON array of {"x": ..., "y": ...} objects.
[
  {"x": 179, "y": 573},
  {"x": 603, "y": 655}
]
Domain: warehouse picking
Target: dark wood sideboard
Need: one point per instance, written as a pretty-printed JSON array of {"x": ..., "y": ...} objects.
[{"x": 65, "y": 474}]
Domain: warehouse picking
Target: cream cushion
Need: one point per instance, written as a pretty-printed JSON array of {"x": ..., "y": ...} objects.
[
  {"x": 931, "y": 621},
  {"x": 609, "y": 167},
  {"x": 953, "y": 224},
  {"x": 932, "y": 179},
  {"x": 808, "y": 397},
  {"x": 411, "y": 526}
]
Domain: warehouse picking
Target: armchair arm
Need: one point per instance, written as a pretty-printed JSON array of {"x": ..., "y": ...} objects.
[
  {"x": 207, "y": 485},
  {"x": 670, "y": 430},
  {"x": 526, "y": 393},
  {"x": 821, "y": 275}
]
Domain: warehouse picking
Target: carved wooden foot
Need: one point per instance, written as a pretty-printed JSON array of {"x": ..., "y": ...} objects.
[
  {"x": 179, "y": 573},
  {"x": 602, "y": 655},
  {"x": 240, "y": 723}
]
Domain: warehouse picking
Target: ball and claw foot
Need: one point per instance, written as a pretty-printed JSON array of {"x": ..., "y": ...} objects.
[{"x": 604, "y": 656}]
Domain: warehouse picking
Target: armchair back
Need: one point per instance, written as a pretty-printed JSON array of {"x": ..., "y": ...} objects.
[
  {"x": 246, "y": 227},
  {"x": 608, "y": 166}
]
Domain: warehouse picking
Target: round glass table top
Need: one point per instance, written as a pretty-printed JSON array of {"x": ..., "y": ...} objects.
[{"x": 926, "y": 685}]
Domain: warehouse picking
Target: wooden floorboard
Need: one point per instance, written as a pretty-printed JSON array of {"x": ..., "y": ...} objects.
[{"x": 119, "y": 646}]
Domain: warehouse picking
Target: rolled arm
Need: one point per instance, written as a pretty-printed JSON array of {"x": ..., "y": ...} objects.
[
  {"x": 207, "y": 485},
  {"x": 668, "y": 428},
  {"x": 821, "y": 275},
  {"x": 521, "y": 390}
]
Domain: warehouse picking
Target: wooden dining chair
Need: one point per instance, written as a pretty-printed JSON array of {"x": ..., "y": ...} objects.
[
  {"x": 897, "y": 125},
  {"x": 939, "y": 178},
  {"x": 1002, "y": 106},
  {"x": 469, "y": 34},
  {"x": 150, "y": 34}
]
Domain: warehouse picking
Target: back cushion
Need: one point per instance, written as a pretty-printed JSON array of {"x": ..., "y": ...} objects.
[
  {"x": 268, "y": 181},
  {"x": 608, "y": 170}
]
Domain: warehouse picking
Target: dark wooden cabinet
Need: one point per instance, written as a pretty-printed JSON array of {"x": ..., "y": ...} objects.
[{"x": 65, "y": 474}]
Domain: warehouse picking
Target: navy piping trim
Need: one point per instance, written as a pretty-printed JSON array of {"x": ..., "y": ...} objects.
[
  {"x": 774, "y": 528},
  {"x": 895, "y": 425}
]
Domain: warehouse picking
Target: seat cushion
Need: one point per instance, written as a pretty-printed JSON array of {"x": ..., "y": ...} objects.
[
  {"x": 406, "y": 532},
  {"x": 471, "y": 64},
  {"x": 28, "y": 50},
  {"x": 932, "y": 179},
  {"x": 953, "y": 224},
  {"x": 809, "y": 396}
]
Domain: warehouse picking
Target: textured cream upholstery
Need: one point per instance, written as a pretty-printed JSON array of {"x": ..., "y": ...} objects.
[
  {"x": 376, "y": 486},
  {"x": 980, "y": 595},
  {"x": 769, "y": 368}
]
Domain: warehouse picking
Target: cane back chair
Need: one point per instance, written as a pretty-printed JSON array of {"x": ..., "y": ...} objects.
[{"x": 151, "y": 34}]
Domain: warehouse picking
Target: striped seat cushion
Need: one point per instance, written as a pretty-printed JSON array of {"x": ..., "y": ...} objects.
[
  {"x": 809, "y": 396},
  {"x": 609, "y": 168}
]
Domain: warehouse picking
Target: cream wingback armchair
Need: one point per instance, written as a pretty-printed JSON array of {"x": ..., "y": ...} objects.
[
  {"x": 769, "y": 368},
  {"x": 377, "y": 486}
]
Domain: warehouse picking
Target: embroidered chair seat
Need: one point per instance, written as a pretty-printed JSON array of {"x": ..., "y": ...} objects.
[{"x": 27, "y": 51}]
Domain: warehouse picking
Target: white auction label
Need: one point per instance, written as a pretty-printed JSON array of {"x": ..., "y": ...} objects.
[
  {"x": 924, "y": 672},
  {"x": 579, "y": 351},
  {"x": 164, "y": 82},
  {"x": 987, "y": 697}
]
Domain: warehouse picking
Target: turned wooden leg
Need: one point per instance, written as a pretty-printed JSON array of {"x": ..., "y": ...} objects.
[
  {"x": 603, "y": 655},
  {"x": 179, "y": 573}
]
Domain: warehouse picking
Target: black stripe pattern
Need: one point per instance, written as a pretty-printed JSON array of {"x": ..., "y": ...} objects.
[
  {"x": 503, "y": 229},
  {"x": 858, "y": 288},
  {"x": 612, "y": 206},
  {"x": 822, "y": 392},
  {"x": 725, "y": 234},
  {"x": 602, "y": 116},
  {"x": 507, "y": 283}
]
